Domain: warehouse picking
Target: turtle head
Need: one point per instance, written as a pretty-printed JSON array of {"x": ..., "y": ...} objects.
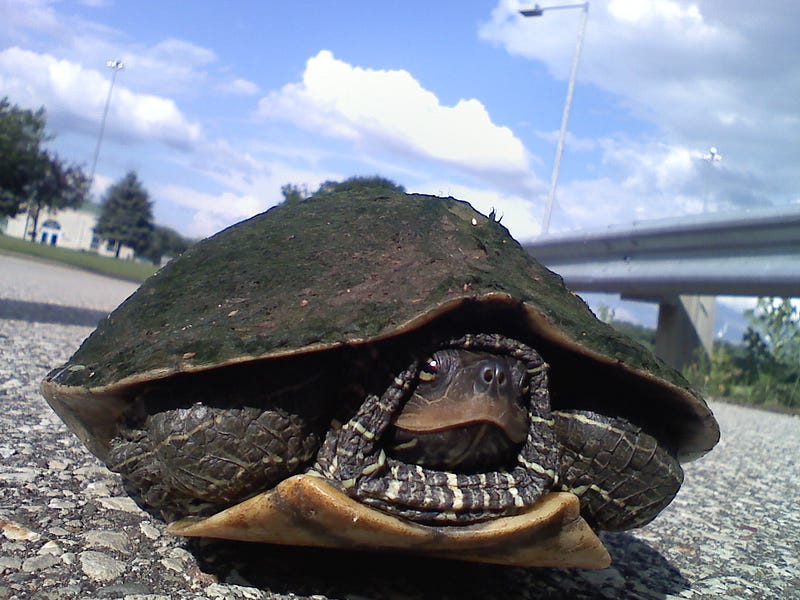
[{"x": 468, "y": 413}]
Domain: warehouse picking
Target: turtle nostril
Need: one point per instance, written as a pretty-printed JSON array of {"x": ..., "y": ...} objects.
[
  {"x": 501, "y": 378},
  {"x": 488, "y": 375}
]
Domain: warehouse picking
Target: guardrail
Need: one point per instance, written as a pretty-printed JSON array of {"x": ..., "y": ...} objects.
[
  {"x": 752, "y": 253},
  {"x": 679, "y": 263}
]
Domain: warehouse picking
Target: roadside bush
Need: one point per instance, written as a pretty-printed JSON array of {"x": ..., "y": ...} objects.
[{"x": 765, "y": 369}]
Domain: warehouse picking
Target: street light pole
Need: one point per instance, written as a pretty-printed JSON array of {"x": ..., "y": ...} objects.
[
  {"x": 116, "y": 66},
  {"x": 538, "y": 11}
]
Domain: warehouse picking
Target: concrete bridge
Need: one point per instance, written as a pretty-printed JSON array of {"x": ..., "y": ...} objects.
[{"x": 682, "y": 264}]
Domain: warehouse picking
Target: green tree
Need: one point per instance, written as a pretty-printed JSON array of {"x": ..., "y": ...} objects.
[
  {"x": 293, "y": 193},
  {"x": 55, "y": 187},
  {"x": 165, "y": 242},
  {"x": 720, "y": 375},
  {"x": 605, "y": 313},
  {"x": 364, "y": 186},
  {"x": 21, "y": 135},
  {"x": 31, "y": 177},
  {"x": 356, "y": 186},
  {"x": 772, "y": 365},
  {"x": 126, "y": 215}
]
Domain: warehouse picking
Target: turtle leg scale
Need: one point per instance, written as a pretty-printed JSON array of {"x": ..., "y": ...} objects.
[
  {"x": 622, "y": 476},
  {"x": 168, "y": 461}
]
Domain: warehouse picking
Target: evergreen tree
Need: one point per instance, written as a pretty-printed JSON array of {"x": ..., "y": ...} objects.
[
  {"x": 126, "y": 215},
  {"x": 165, "y": 242}
]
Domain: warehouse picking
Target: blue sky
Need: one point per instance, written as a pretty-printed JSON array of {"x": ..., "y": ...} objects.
[{"x": 221, "y": 104}]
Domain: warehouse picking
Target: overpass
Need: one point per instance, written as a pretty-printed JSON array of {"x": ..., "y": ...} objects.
[{"x": 681, "y": 264}]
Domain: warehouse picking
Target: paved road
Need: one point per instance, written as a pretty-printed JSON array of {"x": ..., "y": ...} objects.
[{"x": 68, "y": 530}]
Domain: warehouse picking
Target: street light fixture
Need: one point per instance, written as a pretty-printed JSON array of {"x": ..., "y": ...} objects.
[
  {"x": 538, "y": 11},
  {"x": 712, "y": 155},
  {"x": 711, "y": 158},
  {"x": 116, "y": 66}
]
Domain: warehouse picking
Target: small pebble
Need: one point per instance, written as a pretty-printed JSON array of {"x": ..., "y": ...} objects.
[
  {"x": 100, "y": 566},
  {"x": 108, "y": 539},
  {"x": 123, "y": 503},
  {"x": 51, "y": 547},
  {"x": 37, "y": 563},
  {"x": 149, "y": 531}
]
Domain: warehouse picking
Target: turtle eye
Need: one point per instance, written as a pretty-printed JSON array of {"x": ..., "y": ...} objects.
[{"x": 429, "y": 370}]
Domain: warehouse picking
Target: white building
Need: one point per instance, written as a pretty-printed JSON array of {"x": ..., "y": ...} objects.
[{"x": 67, "y": 228}]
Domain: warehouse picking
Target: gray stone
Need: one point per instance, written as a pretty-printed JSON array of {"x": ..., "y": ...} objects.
[
  {"x": 100, "y": 566},
  {"x": 108, "y": 539},
  {"x": 10, "y": 563},
  {"x": 37, "y": 563},
  {"x": 172, "y": 564},
  {"x": 16, "y": 532},
  {"x": 123, "y": 503},
  {"x": 19, "y": 476},
  {"x": 149, "y": 531},
  {"x": 61, "y": 504},
  {"x": 123, "y": 589},
  {"x": 51, "y": 547}
]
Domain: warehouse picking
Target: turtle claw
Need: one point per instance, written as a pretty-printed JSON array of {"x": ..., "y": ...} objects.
[{"x": 306, "y": 510}]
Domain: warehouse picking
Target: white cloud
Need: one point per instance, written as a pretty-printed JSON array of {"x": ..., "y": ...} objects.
[
  {"x": 637, "y": 49},
  {"x": 100, "y": 184},
  {"x": 657, "y": 13},
  {"x": 700, "y": 72},
  {"x": 165, "y": 66},
  {"x": 169, "y": 66},
  {"x": 737, "y": 303},
  {"x": 75, "y": 97},
  {"x": 389, "y": 109},
  {"x": 641, "y": 180},
  {"x": 96, "y": 3},
  {"x": 650, "y": 167},
  {"x": 241, "y": 87},
  {"x": 210, "y": 212},
  {"x": 247, "y": 187},
  {"x": 173, "y": 50},
  {"x": 16, "y": 18}
]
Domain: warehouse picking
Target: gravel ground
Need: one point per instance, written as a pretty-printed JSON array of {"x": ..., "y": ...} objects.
[{"x": 67, "y": 530}]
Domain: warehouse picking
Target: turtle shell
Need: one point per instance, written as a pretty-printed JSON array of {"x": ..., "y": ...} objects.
[
  {"x": 351, "y": 268},
  {"x": 343, "y": 269}
]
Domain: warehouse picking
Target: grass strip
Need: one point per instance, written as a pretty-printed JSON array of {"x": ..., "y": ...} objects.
[{"x": 104, "y": 265}]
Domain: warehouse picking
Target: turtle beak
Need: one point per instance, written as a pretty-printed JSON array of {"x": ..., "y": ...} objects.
[
  {"x": 486, "y": 388},
  {"x": 497, "y": 393}
]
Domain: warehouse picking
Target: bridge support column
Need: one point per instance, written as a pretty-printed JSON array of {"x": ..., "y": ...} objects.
[{"x": 685, "y": 325}]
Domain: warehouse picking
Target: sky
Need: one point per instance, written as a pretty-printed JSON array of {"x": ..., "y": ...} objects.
[{"x": 221, "y": 104}]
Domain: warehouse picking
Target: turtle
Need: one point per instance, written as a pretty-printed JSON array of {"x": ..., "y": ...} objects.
[{"x": 378, "y": 370}]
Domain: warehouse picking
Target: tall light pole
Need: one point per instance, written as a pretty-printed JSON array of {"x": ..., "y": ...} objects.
[
  {"x": 538, "y": 11},
  {"x": 116, "y": 66}
]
